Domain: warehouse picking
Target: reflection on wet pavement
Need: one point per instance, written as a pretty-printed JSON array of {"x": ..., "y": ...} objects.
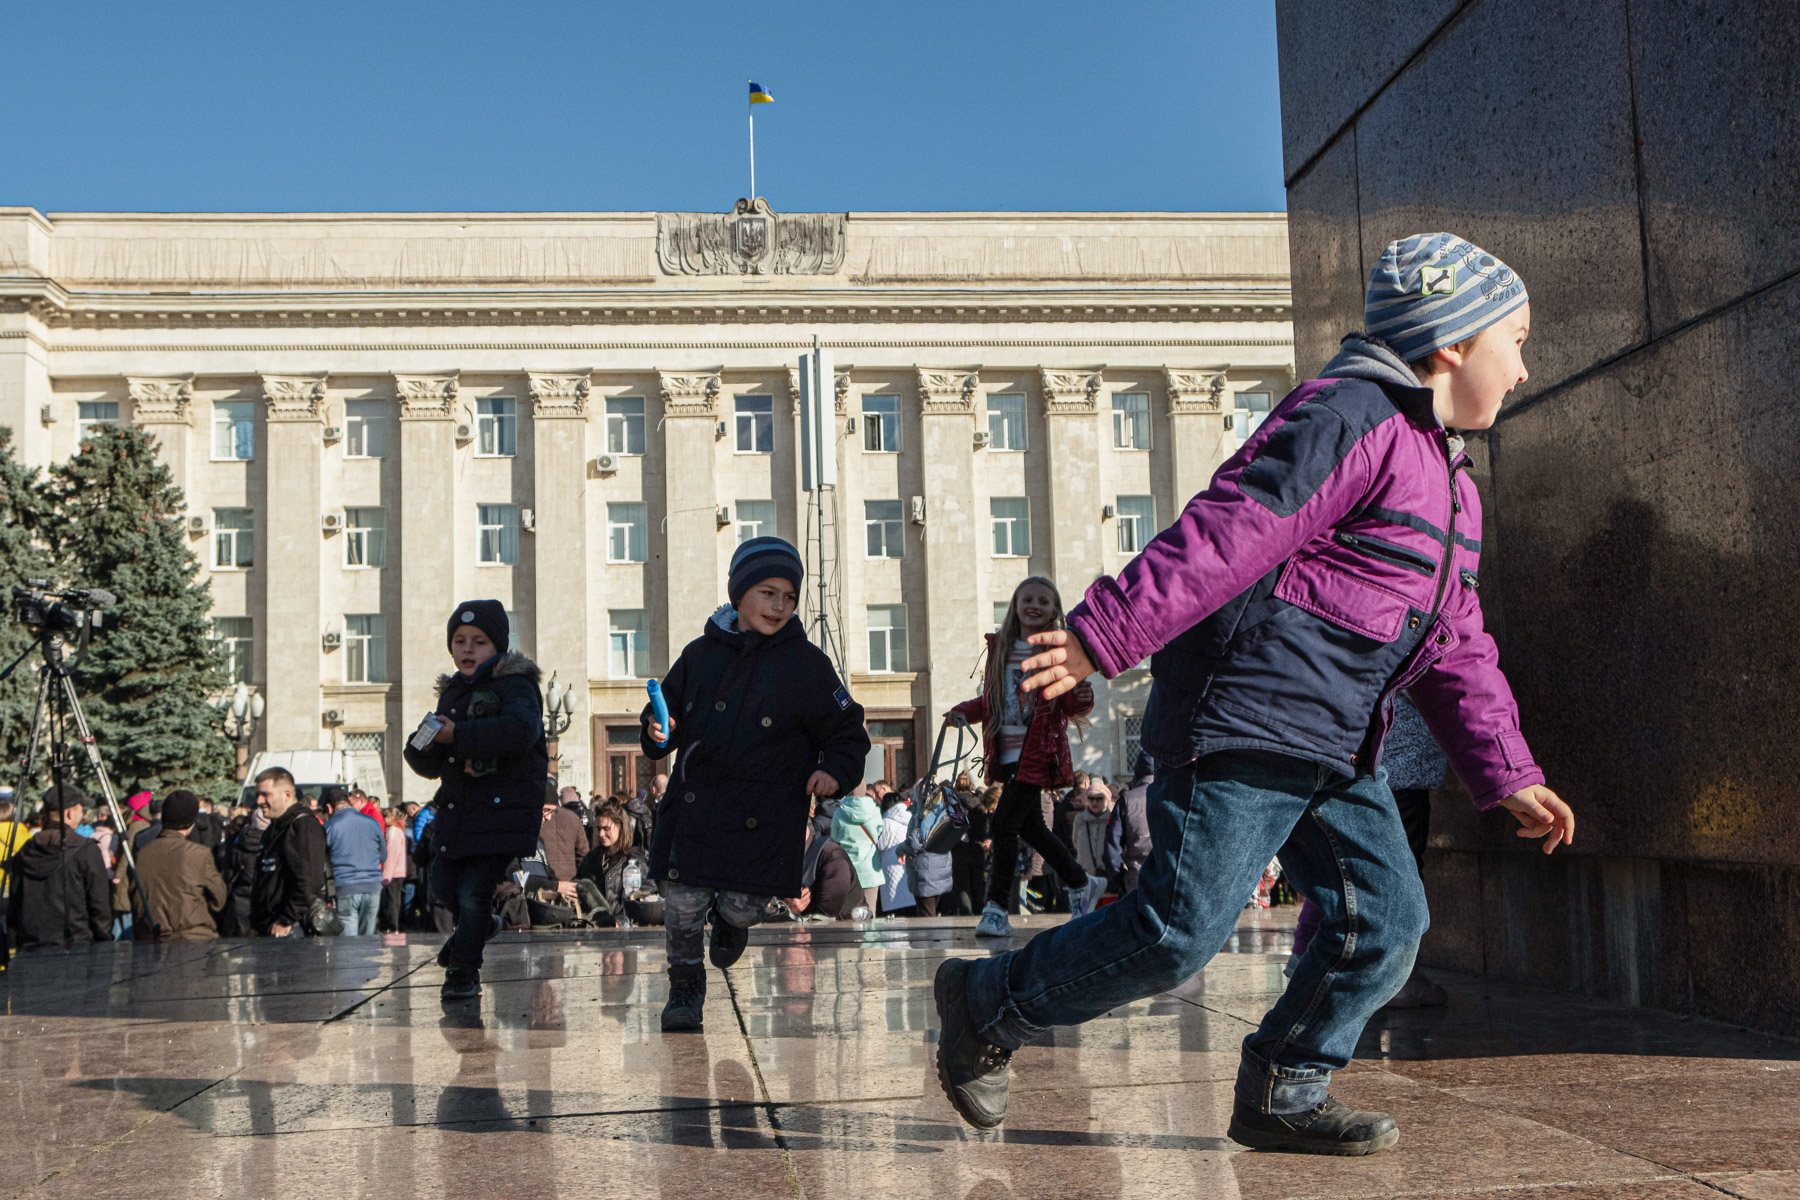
[{"x": 331, "y": 1067}]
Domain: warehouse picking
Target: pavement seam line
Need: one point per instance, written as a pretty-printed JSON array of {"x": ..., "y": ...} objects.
[
  {"x": 762, "y": 1086},
  {"x": 395, "y": 981}
]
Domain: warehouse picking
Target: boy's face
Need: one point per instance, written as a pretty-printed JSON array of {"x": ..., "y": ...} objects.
[
  {"x": 469, "y": 648},
  {"x": 1483, "y": 372},
  {"x": 767, "y": 606}
]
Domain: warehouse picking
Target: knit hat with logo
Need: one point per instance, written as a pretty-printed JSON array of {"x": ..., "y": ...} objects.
[
  {"x": 763, "y": 558},
  {"x": 1433, "y": 290},
  {"x": 489, "y": 616}
]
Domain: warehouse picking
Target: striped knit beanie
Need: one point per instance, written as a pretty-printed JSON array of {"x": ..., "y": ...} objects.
[
  {"x": 1433, "y": 290},
  {"x": 763, "y": 558}
]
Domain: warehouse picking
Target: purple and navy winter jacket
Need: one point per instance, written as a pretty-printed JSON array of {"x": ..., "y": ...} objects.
[{"x": 1332, "y": 562}]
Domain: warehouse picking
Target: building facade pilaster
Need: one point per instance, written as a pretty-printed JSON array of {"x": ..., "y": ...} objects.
[
  {"x": 426, "y": 540},
  {"x": 689, "y": 538},
  {"x": 291, "y": 554},
  {"x": 1198, "y": 442},
  {"x": 560, "y": 549},
  {"x": 952, "y": 536},
  {"x": 163, "y": 408}
]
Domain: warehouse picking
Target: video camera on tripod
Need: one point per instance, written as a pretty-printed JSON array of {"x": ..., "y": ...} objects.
[{"x": 37, "y": 606}]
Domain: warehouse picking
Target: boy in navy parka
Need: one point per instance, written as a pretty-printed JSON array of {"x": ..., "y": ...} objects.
[{"x": 762, "y": 721}]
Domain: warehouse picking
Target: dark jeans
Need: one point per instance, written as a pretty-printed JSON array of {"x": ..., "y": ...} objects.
[
  {"x": 393, "y": 893},
  {"x": 466, "y": 886},
  {"x": 1020, "y": 816},
  {"x": 968, "y": 873},
  {"x": 1415, "y": 817},
  {"x": 1215, "y": 824}
]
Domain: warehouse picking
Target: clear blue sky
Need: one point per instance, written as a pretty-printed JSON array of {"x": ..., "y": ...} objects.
[{"x": 376, "y": 105}]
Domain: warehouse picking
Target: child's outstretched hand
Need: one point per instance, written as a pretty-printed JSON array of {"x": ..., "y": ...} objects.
[
  {"x": 658, "y": 734},
  {"x": 1541, "y": 811},
  {"x": 822, "y": 783},
  {"x": 1063, "y": 663}
]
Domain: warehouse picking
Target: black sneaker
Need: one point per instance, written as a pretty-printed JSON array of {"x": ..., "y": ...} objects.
[
  {"x": 973, "y": 1073},
  {"x": 728, "y": 941},
  {"x": 461, "y": 983},
  {"x": 686, "y": 1009},
  {"x": 1330, "y": 1128}
]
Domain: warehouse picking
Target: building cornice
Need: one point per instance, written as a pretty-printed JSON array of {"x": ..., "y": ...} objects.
[{"x": 923, "y": 343}]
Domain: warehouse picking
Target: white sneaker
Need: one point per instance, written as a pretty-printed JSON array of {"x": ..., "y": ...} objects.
[
  {"x": 1083, "y": 899},
  {"x": 993, "y": 922}
]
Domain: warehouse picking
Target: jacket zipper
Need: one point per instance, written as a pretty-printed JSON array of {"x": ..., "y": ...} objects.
[
  {"x": 1437, "y": 601},
  {"x": 1394, "y": 554}
]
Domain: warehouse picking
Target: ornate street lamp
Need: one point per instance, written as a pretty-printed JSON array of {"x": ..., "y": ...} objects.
[
  {"x": 246, "y": 709},
  {"x": 559, "y": 714}
]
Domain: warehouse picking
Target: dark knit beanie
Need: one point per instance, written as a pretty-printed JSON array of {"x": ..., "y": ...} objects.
[
  {"x": 489, "y": 616},
  {"x": 763, "y": 558},
  {"x": 180, "y": 810}
]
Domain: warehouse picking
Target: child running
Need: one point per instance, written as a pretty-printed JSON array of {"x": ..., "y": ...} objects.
[
  {"x": 1026, "y": 744},
  {"x": 762, "y": 721},
  {"x": 1331, "y": 563}
]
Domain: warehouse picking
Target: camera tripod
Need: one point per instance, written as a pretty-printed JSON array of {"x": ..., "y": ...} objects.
[{"x": 57, "y": 706}]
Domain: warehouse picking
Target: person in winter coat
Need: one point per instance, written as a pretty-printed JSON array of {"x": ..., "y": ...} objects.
[
  {"x": 1026, "y": 744},
  {"x": 1128, "y": 834},
  {"x": 762, "y": 721},
  {"x": 490, "y": 760},
  {"x": 357, "y": 847},
  {"x": 896, "y": 889},
  {"x": 829, "y": 883},
  {"x": 60, "y": 895},
  {"x": 291, "y": 859},
  {"x": 565, "y": 843},
  {"x": 1331, "y": 563},
  {"x": 932, "y": 875},
  {"x": 969, "y": 857},
  {"x": 242, "y": 848},
  {"x": 856, "y": 827},
  {"x": 1088, "y": 830},
  {"x": 179, "y": 877},
  {"x": 394, "y": 871},
  {"x": 614, "y": 855}
]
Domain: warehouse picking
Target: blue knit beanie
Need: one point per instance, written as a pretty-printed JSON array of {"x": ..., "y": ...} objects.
[
  {"x": 763, "y": 558},
  {"x": 1433, "y": 290}
]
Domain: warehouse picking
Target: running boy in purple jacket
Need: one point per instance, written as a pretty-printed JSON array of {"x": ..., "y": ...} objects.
[{"x": 1332, "y": 562}]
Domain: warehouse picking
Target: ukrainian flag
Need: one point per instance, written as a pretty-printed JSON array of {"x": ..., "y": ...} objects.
[{"x": 760, "y": 94}]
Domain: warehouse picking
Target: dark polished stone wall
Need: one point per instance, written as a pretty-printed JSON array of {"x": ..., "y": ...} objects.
[{"x": 1638, "y": 163}]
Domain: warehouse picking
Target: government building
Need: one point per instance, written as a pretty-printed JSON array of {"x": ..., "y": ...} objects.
[{"x": 373, "y": 416}]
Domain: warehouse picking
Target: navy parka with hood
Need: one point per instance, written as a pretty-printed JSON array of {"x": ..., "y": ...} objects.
[
  {"x": 490, "y": 796},
  {"x": 754, "y": 717}
]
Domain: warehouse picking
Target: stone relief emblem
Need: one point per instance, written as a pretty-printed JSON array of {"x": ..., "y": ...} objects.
[{"x": 750, "y": 240}]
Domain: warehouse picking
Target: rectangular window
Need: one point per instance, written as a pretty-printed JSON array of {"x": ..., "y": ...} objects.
[
  {"x": 365, "y": 537},
  {"x": 1000, "y": 607},
  {"x": 887, "y": 637},
  {"x": 1131, "y": 421},
  {"x": 366, "y": 743},
  {"x": 498, "y": 545},
  {"x": 1012, "y": 526},
  {"x": 1006, "y": 422},
  {"x": 365, "y": 429},
  {"x": 1131, "y": 730},
  {"x": 1137, "y": 522},
  {"x": 496, "y": 427},
  {"x": 1250, "y": 410},
  {"x": 628, "y": 643},
  {"x": 94, "y": 412},
  {"x": 233, "y": 635},
  {"x": 881, "y": 424},
  {"x": 755, "y": 518},
  {"x": 234, "y": 538},
  {"x": 755, "y": 424},
  {"x": 886, "y": 533},
  {"x": 626, "y": 533},
  {"x": 365, "y": 648},
  {"x": 234, "y": 429},
  {"x": 625, "y": 425}
]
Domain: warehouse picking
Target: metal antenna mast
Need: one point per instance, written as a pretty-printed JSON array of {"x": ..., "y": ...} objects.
[{"x": 818, "y": 475}]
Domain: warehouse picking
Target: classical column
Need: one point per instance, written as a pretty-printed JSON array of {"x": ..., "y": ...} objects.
[
  {"x": 689, "y": 538},
  {"x": 954, "y": 535},
  {"x": 163, "y": 408},
  {"x": 422, "y": 544},
  {"x": 290, "y": 553},
  {"x": 1074, "y": 528},
  {"x": 25, "y": 379},
  {"x": 559, "y": 547},
  {"x": 1197, "y": 439}
]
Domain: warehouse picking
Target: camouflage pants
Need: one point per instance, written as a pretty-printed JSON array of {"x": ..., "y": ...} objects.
[{"x": 684, "y": 917}]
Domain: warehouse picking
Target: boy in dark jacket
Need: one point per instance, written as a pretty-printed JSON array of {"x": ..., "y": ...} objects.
[
  {"x": 762, "y": 721},
  {"x": 1331, "y": 563},
  {"x": 60, "y": 892},
  {"x": 490, "y": 761}
]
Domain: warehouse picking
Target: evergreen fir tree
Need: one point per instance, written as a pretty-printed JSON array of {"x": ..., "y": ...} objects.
[
  {"x": 22, "y": 557},
  {"x": 146, "y": 680}
]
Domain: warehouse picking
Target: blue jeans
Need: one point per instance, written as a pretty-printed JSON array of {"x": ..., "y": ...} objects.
[
  {"x": 466, "y": 886},
  {"x": 1214, "y": 826},
  {"x": 357, "y": 910}
]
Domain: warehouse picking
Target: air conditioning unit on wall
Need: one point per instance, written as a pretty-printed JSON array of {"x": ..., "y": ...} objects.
[
  {"x": 333, "y": 639},
  {"x": 982, "y": 437},
  {"x": 198, "y": 525},
  {"x": 723, "y": 516},
  {"x": 333, "y": 433},
  {"x": 465, "y": 432},
  {"x": 528, "y": 519},
  {"x": 606, "y": 464},
  {"x": 332, "y": 522},
  {"x": 334, "y": 716}
]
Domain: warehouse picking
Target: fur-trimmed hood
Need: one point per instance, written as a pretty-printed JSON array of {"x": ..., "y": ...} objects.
[{"x": 510, "y": 663}]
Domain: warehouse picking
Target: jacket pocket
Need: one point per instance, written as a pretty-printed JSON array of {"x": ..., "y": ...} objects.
[
  {"x": 1514, "y": 750},
  {"x": 1336, "y": 595},
  {"x": 1370, "y": 547}
]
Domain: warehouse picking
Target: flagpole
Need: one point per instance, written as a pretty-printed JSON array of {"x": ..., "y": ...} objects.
[{"x": 752, "y": 151}]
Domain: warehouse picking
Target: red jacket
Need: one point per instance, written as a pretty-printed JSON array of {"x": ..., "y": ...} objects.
[{"x": 1045, "y": 760}]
